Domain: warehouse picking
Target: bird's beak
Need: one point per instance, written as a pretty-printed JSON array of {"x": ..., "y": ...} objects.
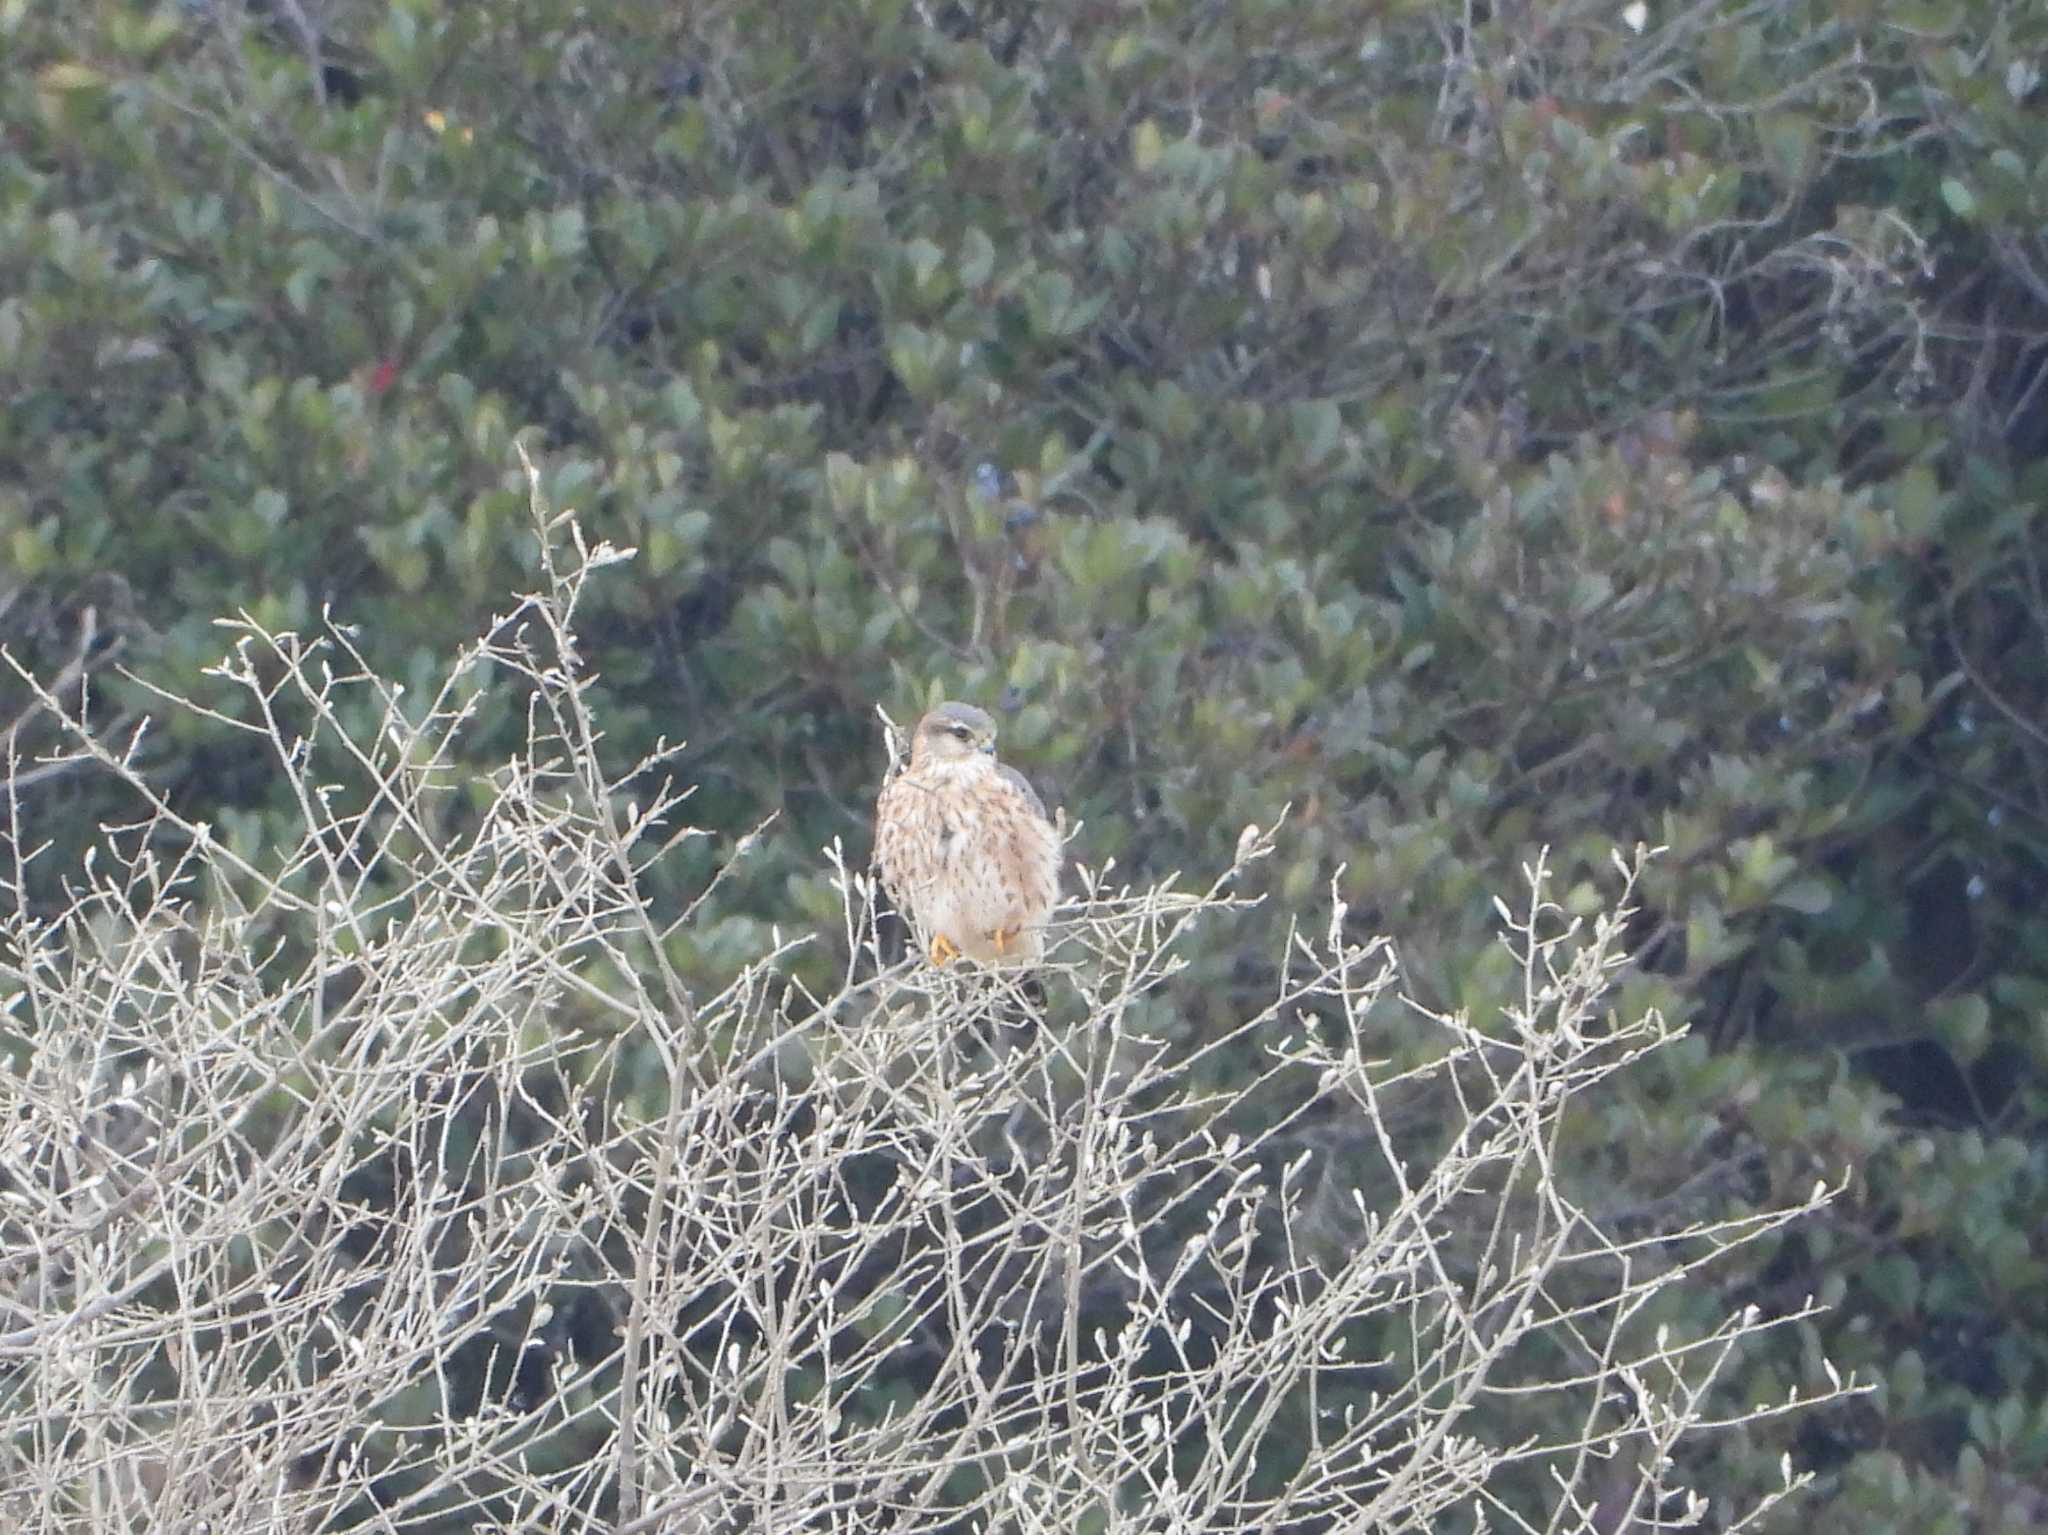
[{"x": 988, "y": 747}]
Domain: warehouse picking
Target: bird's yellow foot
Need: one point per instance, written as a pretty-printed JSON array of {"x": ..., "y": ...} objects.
[
  {"x": 943, "y": 950},
  {"x": 1004, "y": 937}
]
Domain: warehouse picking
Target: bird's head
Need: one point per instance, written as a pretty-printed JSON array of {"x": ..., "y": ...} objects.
[{"x": 953, "y": 733}]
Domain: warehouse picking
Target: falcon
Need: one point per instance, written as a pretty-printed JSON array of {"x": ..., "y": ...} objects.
[{"x": 965, "y": 848}]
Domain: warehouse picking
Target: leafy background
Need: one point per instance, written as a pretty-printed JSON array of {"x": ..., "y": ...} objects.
[{"x": 1479, "y": 428}]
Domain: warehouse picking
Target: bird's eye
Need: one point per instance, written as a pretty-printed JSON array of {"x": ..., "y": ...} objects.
[{"x": 962, "y": 732}]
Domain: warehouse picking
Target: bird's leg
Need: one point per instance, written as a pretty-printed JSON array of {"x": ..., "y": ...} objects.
[
  {"x": 1004, "y": 937},
  {"x": 943, "y": 950}
]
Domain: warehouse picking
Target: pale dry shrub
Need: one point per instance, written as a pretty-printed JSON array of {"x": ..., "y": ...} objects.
[{"x": 394, "y": 1181}]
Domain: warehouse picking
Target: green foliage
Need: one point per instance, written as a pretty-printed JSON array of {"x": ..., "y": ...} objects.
[{"x": 1478, "y": 431}]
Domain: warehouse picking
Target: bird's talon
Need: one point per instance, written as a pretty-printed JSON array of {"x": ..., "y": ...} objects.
[
  {"x": 943, "y": 951},
  {"x": 1003, "y": 938}
]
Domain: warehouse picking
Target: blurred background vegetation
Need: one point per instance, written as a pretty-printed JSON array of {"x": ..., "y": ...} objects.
[{"x": 1479, "y": 426}]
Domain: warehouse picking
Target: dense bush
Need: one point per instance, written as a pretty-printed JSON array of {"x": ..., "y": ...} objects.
[{"x": 1479, "y": 428}]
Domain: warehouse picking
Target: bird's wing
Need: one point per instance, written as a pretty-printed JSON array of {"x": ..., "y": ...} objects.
[
  {"x": 1022, "y": 785},
  {"x": 887, "y": 811}
]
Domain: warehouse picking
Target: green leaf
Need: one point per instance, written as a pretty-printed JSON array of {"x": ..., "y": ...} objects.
[
  {"x": 71, "y": 76},
  {"x": 1908, "y": 1379},
  {"x": 1916, "y": 499},
  {"x": 977, "y": 258},
  {"x": 1318, "y": 425},
  {"x": 924, "y": 260},
  {"x": 270, "y": 506},
  {"x": 1895, "y": 1280},
  {"x": 1810, "y": 896},
  {"x": 298, "y": 288},
  {"x": 1788, "y": 138},
  {"x": 1963, "y": 1024},
  {"x": 1147, "y": 144},
  {"x": 565, "y": 232}
]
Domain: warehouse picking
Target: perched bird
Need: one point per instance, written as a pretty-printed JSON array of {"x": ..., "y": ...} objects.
[{"x": 965, "y": 848}]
